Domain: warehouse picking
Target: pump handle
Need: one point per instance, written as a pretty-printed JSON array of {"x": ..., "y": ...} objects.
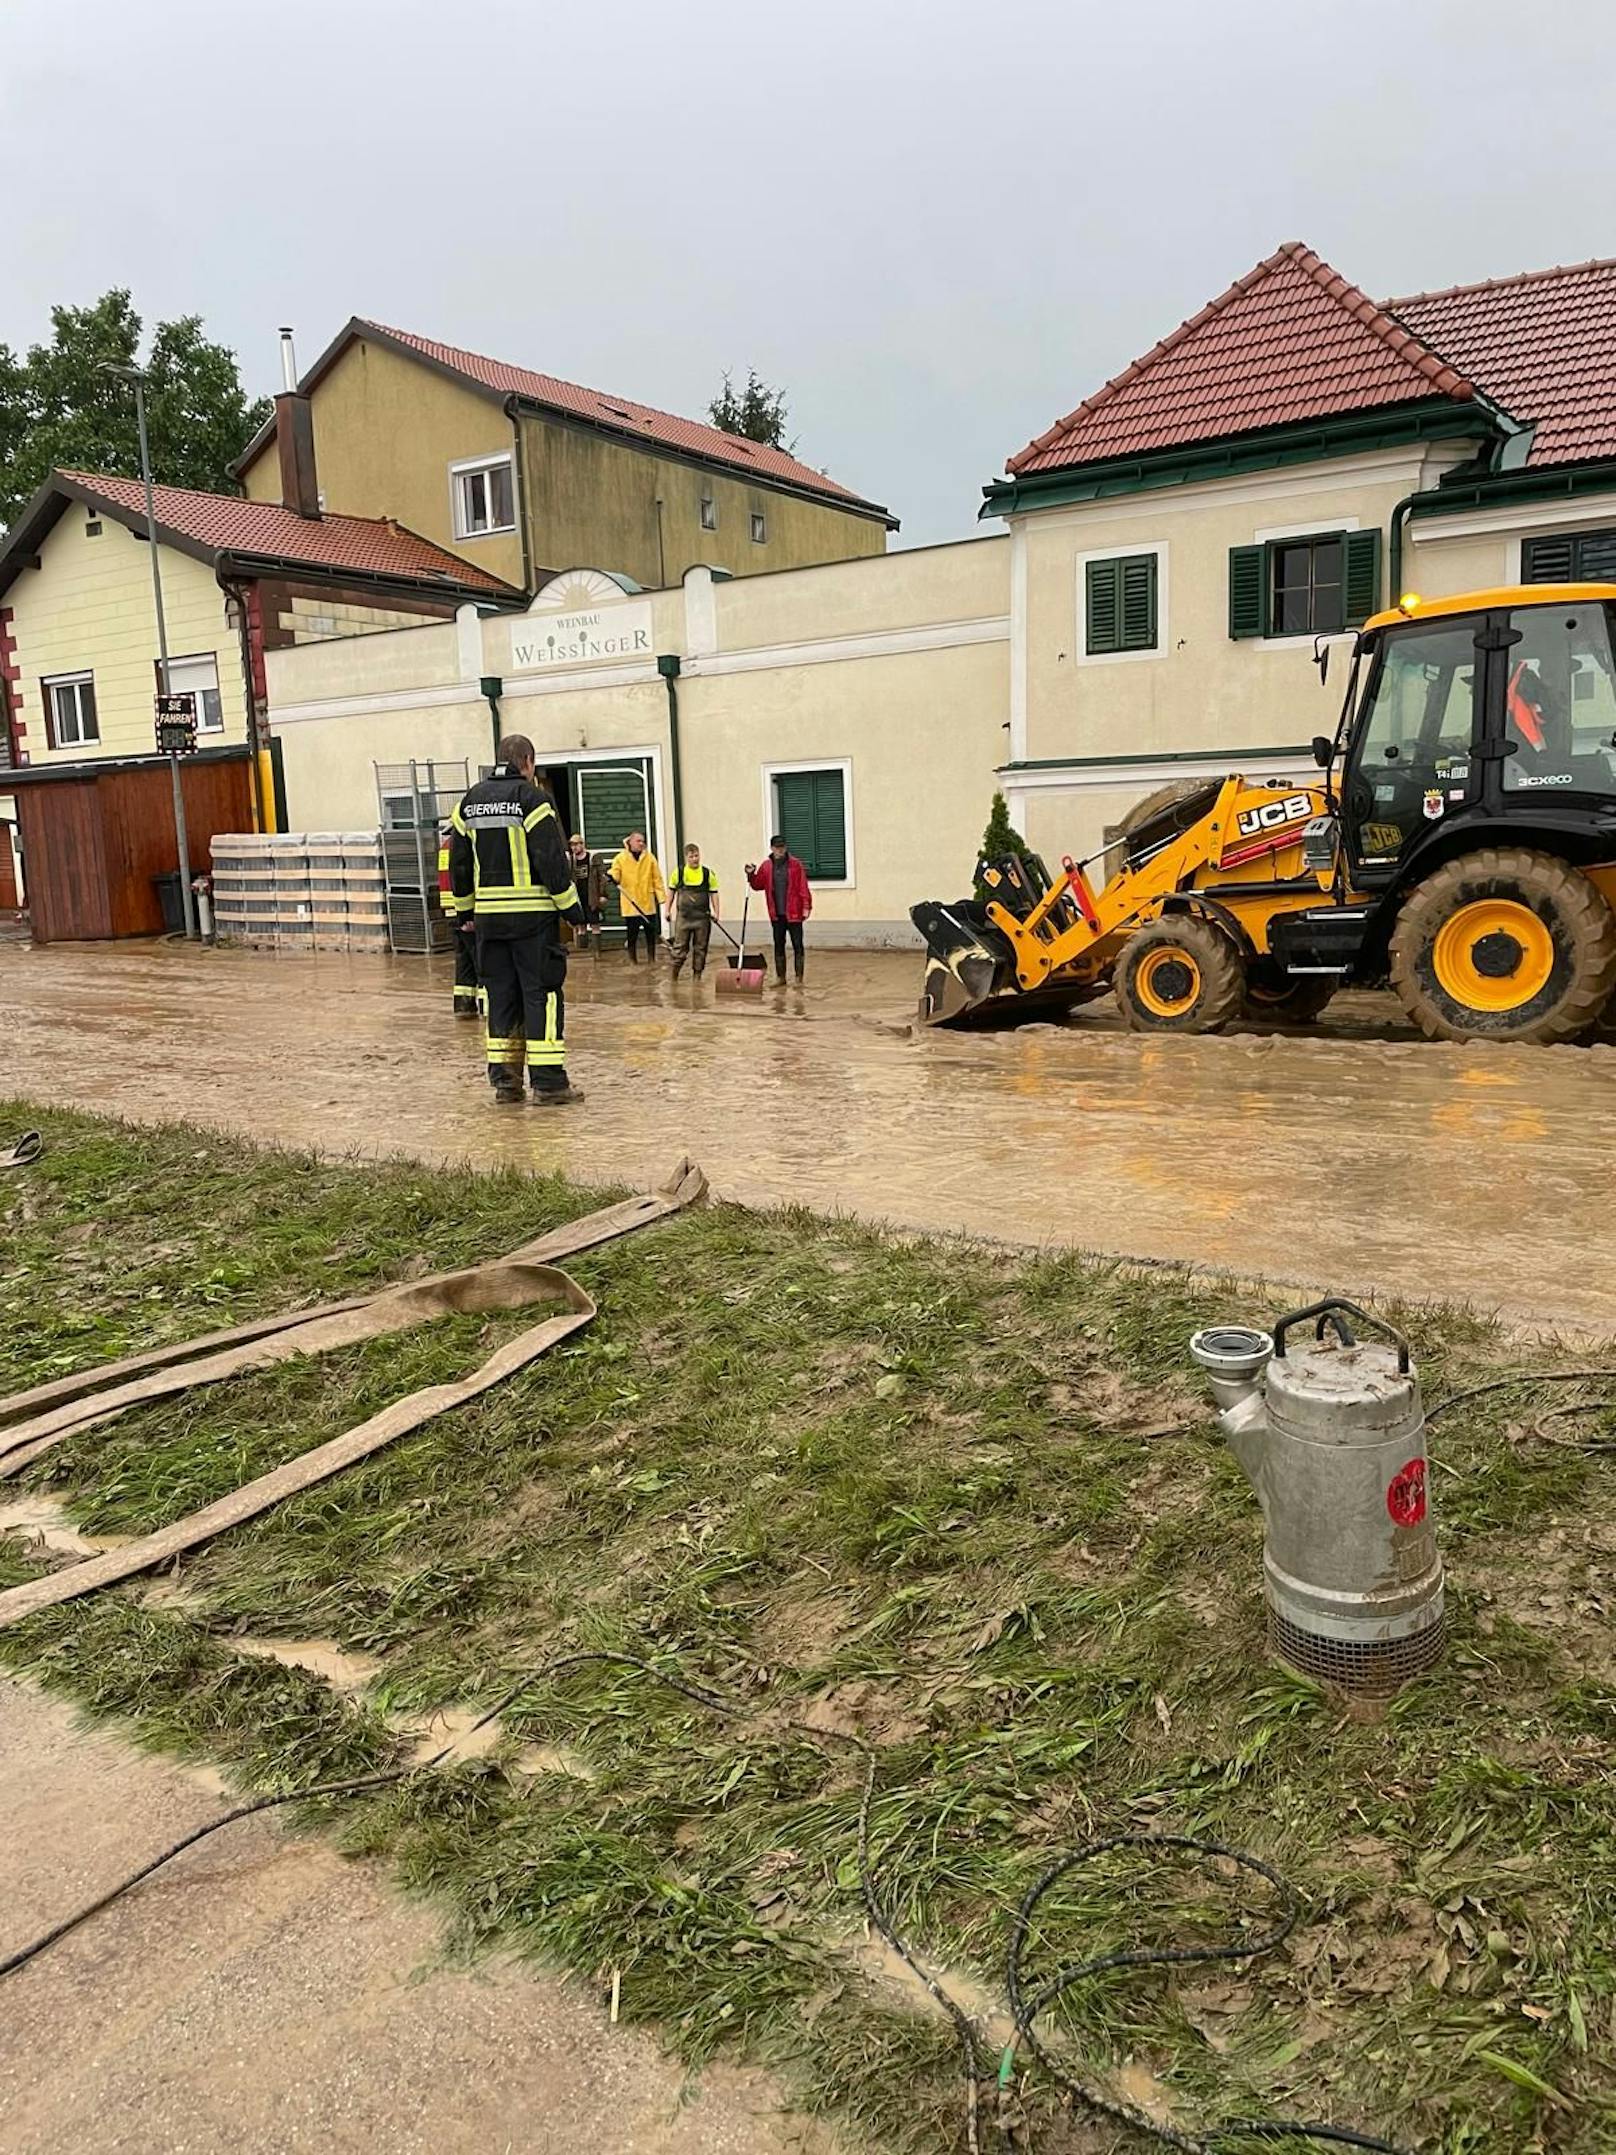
[{"x": 1333, "y": 1311}]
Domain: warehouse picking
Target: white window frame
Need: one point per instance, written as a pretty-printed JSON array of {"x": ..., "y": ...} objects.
[
  {"x": 183, "y": 688},
  {"x": 709, "y": 513},
  {"x": 1081, "y": 655},
  {"x": 760, "y": 530},
  {"x": 771, "y": 810},
  {"x": 53, "y": 732},
  {"x": 471, "y": 467},
  {"x": 1319, "y": 528}
]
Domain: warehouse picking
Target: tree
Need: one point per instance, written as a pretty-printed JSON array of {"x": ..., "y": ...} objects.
[
  {"x": 1000, "y": 837},
  {"x": 59, "y": 405},
  {"x": 757, "y": 413}
]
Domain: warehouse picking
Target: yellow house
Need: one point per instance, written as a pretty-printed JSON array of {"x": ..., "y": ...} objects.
[
  {"x": 79, "y": 649},
  {"x": 1190, "y": 537},
  {"x": 521, "y": 473}
]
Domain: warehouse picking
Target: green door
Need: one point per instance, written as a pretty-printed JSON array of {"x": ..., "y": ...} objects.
[{"x": 614, "y": 799}]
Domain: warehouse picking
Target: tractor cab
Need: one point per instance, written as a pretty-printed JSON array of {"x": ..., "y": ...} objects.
[{"x": 1498, "y": 708}]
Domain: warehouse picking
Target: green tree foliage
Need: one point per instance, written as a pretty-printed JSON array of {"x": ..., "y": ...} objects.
[
  {"x": 756, "y": 413},
  {"x": 59, "y": 405},
  {"x": 1000, "y": 837}
]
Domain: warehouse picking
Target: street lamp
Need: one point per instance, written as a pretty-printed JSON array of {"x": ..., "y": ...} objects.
[{"x": 135, "y": 375}]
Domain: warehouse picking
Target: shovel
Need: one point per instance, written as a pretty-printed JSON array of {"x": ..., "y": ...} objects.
[{"x": 746, "y": 972}]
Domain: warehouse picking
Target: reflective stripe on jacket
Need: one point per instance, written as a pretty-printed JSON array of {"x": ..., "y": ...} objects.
[{"x": 507, "y": 859}]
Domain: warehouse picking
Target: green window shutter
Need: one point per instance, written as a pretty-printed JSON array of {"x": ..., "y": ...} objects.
[
  {"x": 1139, "y": 603},
  {"x": 1596, "y": 557},
  {"x": 1548, "y": 561},
  {"x": 811, "y": 808},
  {"x": 1360, "y": 575},
  {"x": 1248, "y": 591},
  {"x": 1104, "y": 608}
]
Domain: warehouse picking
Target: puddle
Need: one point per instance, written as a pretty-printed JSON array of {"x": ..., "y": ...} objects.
[
  {"x": 321, "y": 1657},
  {"x": 43, "y": 1521},
  {"x": 1345, "y": 1156},
  {"x": 872, "y": 1956}
]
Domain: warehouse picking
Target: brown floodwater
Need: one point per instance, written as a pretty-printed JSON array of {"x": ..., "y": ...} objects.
[{"x": 1356, "y": 1157}]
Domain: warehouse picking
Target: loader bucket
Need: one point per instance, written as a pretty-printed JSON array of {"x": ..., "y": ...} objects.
[{"x": 970, "y": 975}]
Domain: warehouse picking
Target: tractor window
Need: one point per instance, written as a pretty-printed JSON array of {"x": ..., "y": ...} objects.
[
  {"x": 1413, "y": 755},
  {"x": 1560, "y": 701}
]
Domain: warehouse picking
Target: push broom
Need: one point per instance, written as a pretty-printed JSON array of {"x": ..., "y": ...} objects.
[{"x": 746, "y": 972}]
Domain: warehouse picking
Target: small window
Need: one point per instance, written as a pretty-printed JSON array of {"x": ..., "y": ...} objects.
[
  {"x": 1119, "y": 605},
  {"x": 92, "y": 527},
  {"x": 810, "y": 812},
  {"x": 709, "y": 514},
  {"x": 1582, "y": 557},
  {"x": 1316, "y": 585},
  {"x": 198, "y": 677},
  {"x": 484, "y": 498},
  {"x": 760, "y": 527},
  {"x": 70, "y": 720}
]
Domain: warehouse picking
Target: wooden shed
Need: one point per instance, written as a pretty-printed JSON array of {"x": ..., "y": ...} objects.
[{"x": 94, "y": 835}]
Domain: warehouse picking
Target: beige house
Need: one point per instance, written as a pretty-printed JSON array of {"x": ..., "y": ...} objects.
[
  {"x": 521, "y": 473},
  {"x": 1278, "y": 467},
  {"x": 1179, "y": 548}
]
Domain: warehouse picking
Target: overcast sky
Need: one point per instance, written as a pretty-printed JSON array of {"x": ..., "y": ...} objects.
[{"x": 938, "y": 226}]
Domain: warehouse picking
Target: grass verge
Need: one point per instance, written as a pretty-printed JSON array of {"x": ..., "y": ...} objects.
[{"x": 968, "y": 1503}]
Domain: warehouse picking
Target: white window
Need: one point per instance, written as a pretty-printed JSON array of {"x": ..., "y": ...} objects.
[
  {"x": 709, "y": 513},
  {"x": 70, "y": 720},
  {"x": 198, "y": 677},
  {"x": 484, "y": 497},
  {"x": 760, "y": 527}
]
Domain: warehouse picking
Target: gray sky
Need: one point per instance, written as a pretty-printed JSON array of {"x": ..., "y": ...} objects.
[{"x": 938, "y": 227}]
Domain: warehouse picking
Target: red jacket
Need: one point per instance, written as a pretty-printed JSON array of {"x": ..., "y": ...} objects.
[{"x": 799, "y": 898}]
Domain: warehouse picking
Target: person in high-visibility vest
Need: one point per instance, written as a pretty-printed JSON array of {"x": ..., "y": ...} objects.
[
  {"x": 509, "y": 862},
  {"x": 468, "y": 987},
  {"x": 692, "y": 909}
]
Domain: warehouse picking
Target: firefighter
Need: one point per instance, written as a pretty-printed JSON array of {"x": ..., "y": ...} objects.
[
  {"x": 508, "y": 863},
  {"x": 468, "y": 997}
]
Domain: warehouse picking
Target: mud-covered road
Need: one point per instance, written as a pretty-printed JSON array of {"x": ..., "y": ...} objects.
[{"x": 1357, "y": 1157}]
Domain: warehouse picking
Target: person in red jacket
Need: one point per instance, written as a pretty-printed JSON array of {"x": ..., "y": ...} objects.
[{"x": 783, "y": 881}]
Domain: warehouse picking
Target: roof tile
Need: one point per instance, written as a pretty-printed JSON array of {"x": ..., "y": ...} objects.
[
  {"x": 623, "y": 416},
  {"x": 264, "y": 530},
  {"x": 1543, "y": 345},
  {"x": 1291, "y": 340}
]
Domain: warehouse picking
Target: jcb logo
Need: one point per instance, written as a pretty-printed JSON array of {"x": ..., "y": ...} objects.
[{"x": 1295, "y": 808}]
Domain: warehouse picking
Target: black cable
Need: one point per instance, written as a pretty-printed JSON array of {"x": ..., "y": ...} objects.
[
  {"x": 31, "y": 1951},
  {"x": 1025, "y": 2007},
  {"x": 1517, "y": 1376}
]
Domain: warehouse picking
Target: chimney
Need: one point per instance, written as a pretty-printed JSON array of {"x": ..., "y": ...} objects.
[{"x": 294, "y": 439}]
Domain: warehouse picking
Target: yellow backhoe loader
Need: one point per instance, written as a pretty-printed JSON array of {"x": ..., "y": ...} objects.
[{"x": 1460, "y": 843}]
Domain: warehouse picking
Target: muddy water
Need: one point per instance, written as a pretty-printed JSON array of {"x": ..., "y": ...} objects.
[{"x": 1358, "y": 1156}]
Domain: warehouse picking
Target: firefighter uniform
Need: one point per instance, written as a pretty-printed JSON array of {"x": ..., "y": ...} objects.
[
  {"x": 509, "y": 863},
  {"x": 468, "y": 997}
]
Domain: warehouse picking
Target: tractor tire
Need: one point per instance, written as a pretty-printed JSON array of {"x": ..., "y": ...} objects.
[
  {"x": 1505, "y": 944},
  {"x": 1179, "y": 976},
  {"x": 1275, "y": 997}
]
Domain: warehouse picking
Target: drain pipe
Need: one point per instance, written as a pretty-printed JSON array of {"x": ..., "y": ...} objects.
[
  {"x": 668, "y": 666},
  {"x": 493, "y": 687}
]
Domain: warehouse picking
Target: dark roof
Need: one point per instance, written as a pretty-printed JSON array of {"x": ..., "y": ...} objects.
[
  {"x": 257, "y": 534},
  {"x": 1542, "y": 345},
  {"x": 643, "y": 423}
]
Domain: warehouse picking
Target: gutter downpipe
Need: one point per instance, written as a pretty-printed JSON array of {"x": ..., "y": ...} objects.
[
  {"x": 668, "y": 666},
  {"x": 513, "y": 409},
  {"x": 257, "y": 723}
]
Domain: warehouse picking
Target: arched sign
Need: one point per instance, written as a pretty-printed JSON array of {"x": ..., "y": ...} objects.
[{"x": 583, "y": 617}]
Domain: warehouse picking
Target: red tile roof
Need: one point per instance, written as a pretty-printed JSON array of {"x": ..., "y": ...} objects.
[
  {"x": 642, "y": 421},
  {"x": 1292, "y": 340},
  {"x": 1543, "y": 345},
  {"x": 263, "y": 531}
]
